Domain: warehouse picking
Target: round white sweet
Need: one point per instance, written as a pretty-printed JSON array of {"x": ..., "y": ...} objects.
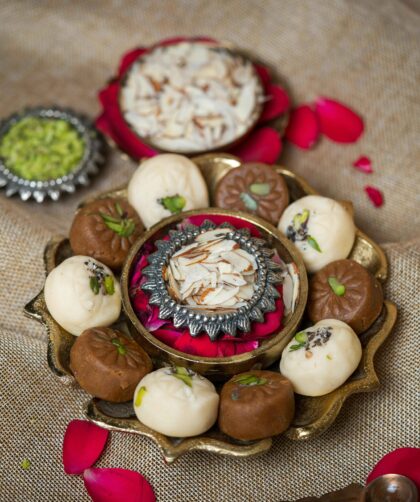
[
  {"x": 165, "y": 176},
  {"x": 176, "y": 402},
  {"x": 327, "y": 235},
  {"x": 78, "y": 294},
  {"x": 331, "y": 354}
]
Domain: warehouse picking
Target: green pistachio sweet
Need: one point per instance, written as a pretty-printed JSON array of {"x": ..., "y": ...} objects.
[{"x": 36, "y": 148}]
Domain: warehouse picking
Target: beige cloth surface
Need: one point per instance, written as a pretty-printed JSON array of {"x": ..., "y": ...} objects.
[{"x": 365, "y": 53}]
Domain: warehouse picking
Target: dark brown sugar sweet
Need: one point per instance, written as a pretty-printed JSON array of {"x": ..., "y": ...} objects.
[
  {"x": 107, "y": 364},
  {"x": 105, "y": 229},
  {"x": 254, "y": 188},
  {"x": 346, "y": 291},
  {"x": 255, "y": 405}
]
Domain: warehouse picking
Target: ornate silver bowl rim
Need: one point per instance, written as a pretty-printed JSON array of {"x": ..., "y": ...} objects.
[
  {"x": 89, "y": 165},
  {"x": 213, "y": 323}
]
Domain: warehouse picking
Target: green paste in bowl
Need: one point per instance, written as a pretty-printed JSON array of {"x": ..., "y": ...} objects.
[{"x": 41, "y": 149}]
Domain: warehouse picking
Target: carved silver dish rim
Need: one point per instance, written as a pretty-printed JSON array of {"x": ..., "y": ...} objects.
[
  {"x": 93, "y": 158},
  {"x": 213, "y": 323}
]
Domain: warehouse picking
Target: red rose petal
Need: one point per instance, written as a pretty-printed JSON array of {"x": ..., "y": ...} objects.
[
  {"x": 303, "y": 127},
  {"x": 262, "y": 145},
  {"x": 278, "y": 102},
  {"x": 111, "y": 122},
  {"x": 363, "y": 164},
  {"x": 375, "y": 195},
  {"x": 264, "y": 74},
  {"x": 117, "y": 485},
  {"x": 404, "y": 461},
  {"x": 129, "y": 58},
  {"x": 82, "y": 446},
  {"x": 338, "y": 122}
]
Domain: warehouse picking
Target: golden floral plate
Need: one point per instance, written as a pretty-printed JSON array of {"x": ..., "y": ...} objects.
[{"x": 313, "y": 414}]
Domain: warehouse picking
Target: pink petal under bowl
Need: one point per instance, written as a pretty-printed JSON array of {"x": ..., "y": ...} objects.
[{"x": 217, "y": 368}]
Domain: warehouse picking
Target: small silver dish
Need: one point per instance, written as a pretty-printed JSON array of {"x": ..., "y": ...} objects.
[
  {"x": 213, "y": 323},
  {"x": 93, "y": 158}
]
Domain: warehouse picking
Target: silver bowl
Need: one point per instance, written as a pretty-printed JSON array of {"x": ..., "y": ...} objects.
[
  {"x": 89, "y": 165},
  {"x": 213, "y": 323}
]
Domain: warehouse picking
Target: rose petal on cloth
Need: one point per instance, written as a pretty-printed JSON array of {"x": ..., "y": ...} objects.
[
  {"x": 262, "y": 145},
  {"x": 117, "y": 485},
  {"x": 82, "y": 446},
  {"x": 277, "y": 103},
  {"x": 363, "y": 164},
  {"x": 303, "y": 127},
  {"x": 404, "y": 461},
  {"x": 338, "y": 122},
  {"x": 375, "y": 195}
]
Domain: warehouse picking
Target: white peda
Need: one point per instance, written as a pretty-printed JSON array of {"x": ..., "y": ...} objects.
[
  {"x": 321, "y": 358},
  {"x": 82, "y": 293},
  {"x": 320, "y": 228},
  {"x": 176, "y": 401},
  {"x": 165, "y": 185}
]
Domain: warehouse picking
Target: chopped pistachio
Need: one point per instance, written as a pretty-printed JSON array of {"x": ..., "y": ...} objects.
[
  {"x": 301, "y": 218},
  {"x": 182, "y": 374},
  {"x": 37, "y": 148},
  {"x": 25, "y": 464},
  {"x": 94, "y": 284},
  {"x": 248, "y": 201},
  {"x": 250, "y": 380},
  {"x": 260, "y": 188},
  {"x": 139, "y": 396},
  {"x": 121, "y": 348},
  {"x": 313, "y": 243},
  {"x": 109, "y": 285},
  {"x": 338, "y": 288},
  {"x": 301, "y": 337},
  {"x": 174, "y": 204},
  {"x": 122, "y": 225}
]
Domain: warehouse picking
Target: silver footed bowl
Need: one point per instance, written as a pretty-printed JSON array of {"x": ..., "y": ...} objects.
[
  {"x": 214, "y": 323},
  {"x": 93, "y": 157}
]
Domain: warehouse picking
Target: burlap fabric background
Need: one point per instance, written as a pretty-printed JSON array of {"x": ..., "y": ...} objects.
[{"x": 366, "y": 53}]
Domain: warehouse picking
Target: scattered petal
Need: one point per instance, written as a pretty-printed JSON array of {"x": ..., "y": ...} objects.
[
  {"x": 375, "y": 195},
  {"x": 338, "y": 122},
  {"x": 115, "y": 485},
  {"x": 262, "y": 145},
  {"x": 404, "y": 461},
  {"x": 82, "y": 446},
  {"x": 363, "y": 164},
  {"x": 278, "y": 102},
  {"x": 303, "y": 128}
]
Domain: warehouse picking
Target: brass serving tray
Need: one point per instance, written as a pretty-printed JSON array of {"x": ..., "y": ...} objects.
[{"x": 313, "y": 414}]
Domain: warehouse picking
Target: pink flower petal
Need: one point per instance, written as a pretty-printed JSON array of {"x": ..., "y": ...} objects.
[
  {"x": 375, "y": 195},
  {"x": 404, "y": 461},
  {"x": 278, "y": 102},
  {"x": 338, "y": 122},
  {"x": 262, "y": 145},
  {"x": 82, "y": 446},
  {"x": 303, "y": 127},
  {"x": 363, "y": 164},
  {"x": 117, "y": 485}
]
